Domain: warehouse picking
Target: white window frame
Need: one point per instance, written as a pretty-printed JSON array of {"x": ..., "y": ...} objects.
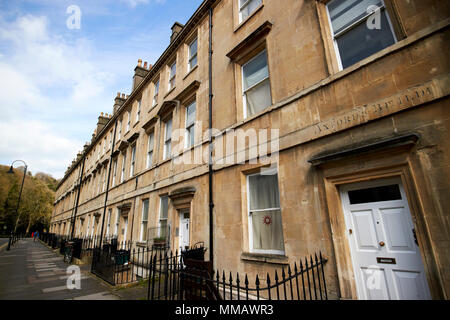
[
  {"x": 129, "y": 120},
  {"x": 172, "y": 77},
  {"x": 160, "y": 211},
  {"x": 150, "y": 147},
  {"x": 104, "y": 180},
  {"x": 155, "y": 95},
  {"x": 92, "y": 226},
  {"x": 114, "y": 172},
  {"x": 187, "y": 136},
  {"x": 119, "y": 133},
  {"x": 88, "y": 225},
  {"x": 144, "y": 221},
  {"x": 124, "y": 161},
  {"x": 167, "y": 141},
  {"x": 138, "y": 111},
  {"x": 133, "y": 160},
  {"x": 109, "y": 222},
  {"x": 250, "y": 222},
  {"x": 116, "y": 229},
  {"x": 352, "y": 26},
  {"x": 192, "y": 57},
  {"x": 241, "y": 7},
  {"x": 244, "y": 91}
]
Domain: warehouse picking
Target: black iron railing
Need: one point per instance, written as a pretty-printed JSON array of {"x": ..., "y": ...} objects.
[
  {"x": 175, "y": 277},
  {"x": 122, "y": 266},
  {"x": 13, "y": 238}
]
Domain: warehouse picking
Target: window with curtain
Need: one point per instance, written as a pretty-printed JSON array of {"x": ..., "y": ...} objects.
[
  {"x": 93, "y": 226},
  {"x": 155, "y": 96},
  {"x": 119, "y": 130},
  {"x": 138, "y": 111},
  {"x": 256, "y": 84},
  {"x": 99, "y": 181},
  {"x": 246, "y": 7},
  {"x": 104, "y": 180},
  {"x": 133, "y": 160},
  {"x": 129, "y": 120},
  {"x": 116, "y": 229},
  {"x": 172, "y": 76},
  {"x": 114, "y": 173},
  {"x": 167, "y": 138},
  {"x": 353, "y": 38},
  {"x": 163, "y": 215},
  {"x": 144, "y": 220},
  {"x": 150, "y": 147},
  {"x": 190, "y": 125},
  {"x": 124, "y": 161},
  {"x": 108, "y": 225},
  {"x": 265, "y": 227},
  {"x": 193, "y": 54}
]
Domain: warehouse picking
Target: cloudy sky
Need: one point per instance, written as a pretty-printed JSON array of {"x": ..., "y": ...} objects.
[{"x": 55, "y": 78}]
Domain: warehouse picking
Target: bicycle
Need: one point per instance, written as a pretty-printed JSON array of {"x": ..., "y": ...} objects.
[{"x": 68, "y": 251}]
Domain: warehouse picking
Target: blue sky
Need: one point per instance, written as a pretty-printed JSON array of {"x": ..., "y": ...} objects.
[{"x": 55, "y": 81}]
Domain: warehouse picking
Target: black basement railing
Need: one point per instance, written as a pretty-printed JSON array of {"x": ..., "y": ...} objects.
[{"x": 178, "y": 277}]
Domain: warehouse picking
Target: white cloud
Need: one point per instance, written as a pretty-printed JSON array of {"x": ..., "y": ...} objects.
[
  {"x": 135, "y": 3},
  {"x": 47, "y": 85},
  {"x": 42, "y": 148}
]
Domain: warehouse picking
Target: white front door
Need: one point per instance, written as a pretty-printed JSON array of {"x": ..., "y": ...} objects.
[
  {"x": 385, "y": 254},
  {"x": 124, "y": 231},
  {"x": 184, "y": 229}
]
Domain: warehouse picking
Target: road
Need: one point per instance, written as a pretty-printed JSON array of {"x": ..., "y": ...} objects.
[{"x": 32, "y": 271}]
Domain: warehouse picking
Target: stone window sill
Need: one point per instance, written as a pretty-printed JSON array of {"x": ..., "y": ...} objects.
[
  {"x": 170, "y": 91},
  {"x": 265, "y": 258},
  {"x": 190, "y": 71}
]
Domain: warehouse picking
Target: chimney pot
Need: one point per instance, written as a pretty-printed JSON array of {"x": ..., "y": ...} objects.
[
  {"x": 118, "y": 94},
  {"x": 101, "y": 113},
  {"x": 123, "y": 95},
  {"x": 139, "y": 62},
  {"x": 145, "y": 64}
]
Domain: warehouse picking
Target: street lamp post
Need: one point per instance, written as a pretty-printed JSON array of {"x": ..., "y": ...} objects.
[{"x": 18, "y": 201}]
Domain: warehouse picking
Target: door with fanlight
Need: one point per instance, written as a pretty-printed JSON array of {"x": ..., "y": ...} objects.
[
  {"x": 385, "y": 253},
  {"x": 184, "y": 229}
]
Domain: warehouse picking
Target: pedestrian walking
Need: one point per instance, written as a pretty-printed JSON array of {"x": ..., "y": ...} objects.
[{"x": 36, "y": 236}]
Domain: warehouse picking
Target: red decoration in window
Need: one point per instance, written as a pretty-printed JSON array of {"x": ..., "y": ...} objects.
[{"x": 267, "y": 220}]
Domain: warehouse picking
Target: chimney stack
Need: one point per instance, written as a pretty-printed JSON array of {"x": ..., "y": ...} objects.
[
  {"x": 118, "y": 102},
  {"x": 176, "y": 29},
  {"x": 139, "y": 73},
  {"x": 102, "y": 121}
]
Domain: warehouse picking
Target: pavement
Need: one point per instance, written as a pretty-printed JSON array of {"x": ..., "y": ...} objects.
[
  {"x": 33, "y": 271},
  {"x": 3, "y": 243}
]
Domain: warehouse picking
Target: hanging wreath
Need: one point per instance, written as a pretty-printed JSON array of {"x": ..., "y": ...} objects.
[{"x": 267, "y": 220}]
